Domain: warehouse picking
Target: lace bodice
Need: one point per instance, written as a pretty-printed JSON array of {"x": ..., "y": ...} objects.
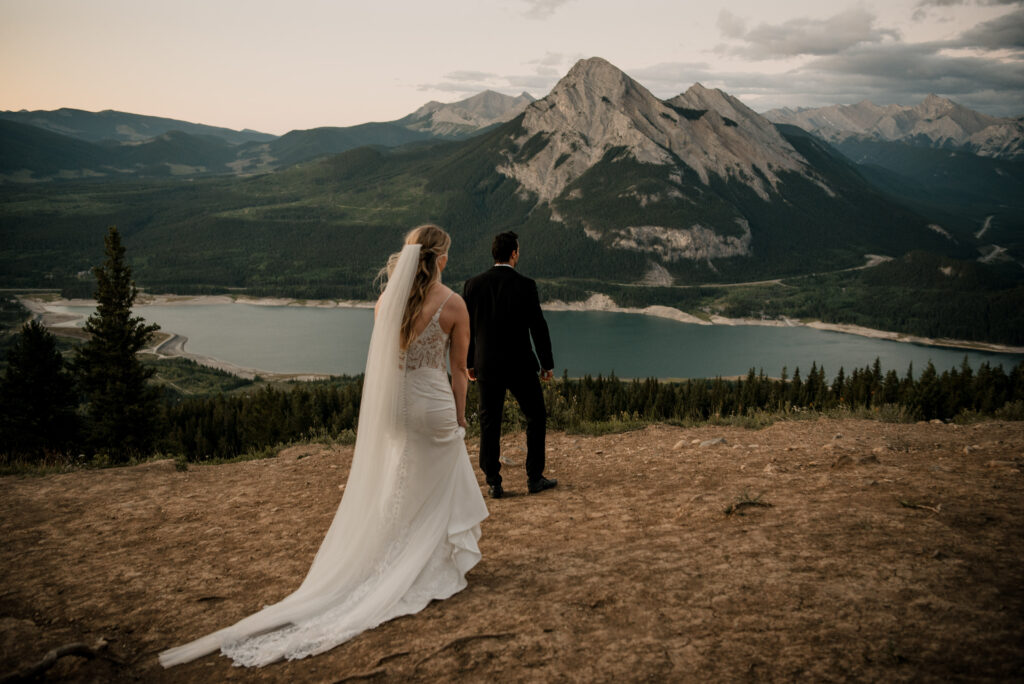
[{"x": 430, "y": 348}]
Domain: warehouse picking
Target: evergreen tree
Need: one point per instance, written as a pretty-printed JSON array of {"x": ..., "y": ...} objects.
[
  {"x": 37, "y": 399},
  {"x": 122, "y": 407}
]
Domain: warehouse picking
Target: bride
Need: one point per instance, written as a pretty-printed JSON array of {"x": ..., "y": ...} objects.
[{"x": 407, "y": 527}]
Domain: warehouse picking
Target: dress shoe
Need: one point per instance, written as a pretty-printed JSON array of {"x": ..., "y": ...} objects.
[
  {"x": 540, "y": 484},
  {"x": 495, "y": 491}
]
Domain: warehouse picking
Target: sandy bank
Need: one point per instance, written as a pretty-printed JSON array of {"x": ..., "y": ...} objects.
[
  {"x": 172, "y": 345},
  {"x": 600, "y": 302}
]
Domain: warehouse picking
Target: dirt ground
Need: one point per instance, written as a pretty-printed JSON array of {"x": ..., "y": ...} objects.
[{"x": 884, "y": 552}]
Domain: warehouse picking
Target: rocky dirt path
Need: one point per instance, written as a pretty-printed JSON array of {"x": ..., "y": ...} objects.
[{"x": 881, "y": 552}]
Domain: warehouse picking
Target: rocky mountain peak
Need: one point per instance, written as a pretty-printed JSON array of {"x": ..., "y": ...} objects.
[
  {"x": 934, "y": 106},
  {"x": 596, "y": 107},
  {"x": 466, "y": 116},
  {"x": 595, "y": 74}
]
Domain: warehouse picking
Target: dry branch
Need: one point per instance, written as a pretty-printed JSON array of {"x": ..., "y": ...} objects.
[
  {"x": 52, "y": 656},
  {"x": 461, "y": 640},
  {"x": 911, "y": 504}
]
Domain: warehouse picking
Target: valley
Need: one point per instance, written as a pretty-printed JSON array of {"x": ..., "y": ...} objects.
[{"x": 696, "y": 203}]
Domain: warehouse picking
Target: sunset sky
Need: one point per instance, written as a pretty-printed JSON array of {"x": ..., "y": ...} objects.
[{"x": 278, "y": 66}]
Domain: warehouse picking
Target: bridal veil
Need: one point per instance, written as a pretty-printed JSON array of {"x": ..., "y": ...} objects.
[{"x": 404, "y": 533}]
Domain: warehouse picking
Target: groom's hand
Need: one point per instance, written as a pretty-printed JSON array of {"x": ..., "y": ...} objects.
[
  {"x": 471, "y": 373},
  {"x": 546, "y": 375}
]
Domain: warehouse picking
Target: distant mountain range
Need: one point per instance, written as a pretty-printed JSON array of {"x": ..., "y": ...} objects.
[
  {"x": 612, "y": 190},
  {"x": 120, "y": 144},
  {"x": 466, "y": 117},
  {"x": 935, "y": 122},
  {"x": 608, "y": 181},
  {"x": 122, "y": 127}
]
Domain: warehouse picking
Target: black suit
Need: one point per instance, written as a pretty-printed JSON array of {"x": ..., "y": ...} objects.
[{"x": 504, "y": 314}]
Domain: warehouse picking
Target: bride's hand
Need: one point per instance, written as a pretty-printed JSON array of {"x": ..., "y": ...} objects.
[{"x": 461, "y": 420}]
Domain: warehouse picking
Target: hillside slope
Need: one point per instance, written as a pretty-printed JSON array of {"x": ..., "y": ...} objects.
[{"x": 881, "y": 551}]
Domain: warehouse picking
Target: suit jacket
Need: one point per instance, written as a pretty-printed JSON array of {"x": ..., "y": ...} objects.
[{"x": 504, "y": 313}]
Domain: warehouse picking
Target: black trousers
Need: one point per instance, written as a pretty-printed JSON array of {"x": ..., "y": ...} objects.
[{"x": 525, "y": 387}]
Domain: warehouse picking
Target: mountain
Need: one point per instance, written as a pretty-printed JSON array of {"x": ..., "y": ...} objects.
[
  {"x": 31, "y": 154},
  {"x": 122, "y": 126},
  {"x": 935, "y": 122},
  {"x": 693, "y": 180},
  {"x": 963, "y": 169},
  {"x": 131, "y": 144},
  {"x": 466, "y": 117},
  {"x": 27, "y": 151},
  {"x": 605, "y": 183},
  {"x": 974, "y": 198},
  {"x": 297, "y": 146}
]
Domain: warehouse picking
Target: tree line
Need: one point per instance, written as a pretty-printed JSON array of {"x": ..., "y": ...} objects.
[
  {"x": 102, "y": 401},
  {"x": 224, "y": 426}
]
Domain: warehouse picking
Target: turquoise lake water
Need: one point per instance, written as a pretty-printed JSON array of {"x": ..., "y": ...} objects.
[{"x": 291, "y": 339}]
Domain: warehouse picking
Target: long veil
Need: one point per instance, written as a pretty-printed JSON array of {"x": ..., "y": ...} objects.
[{"x": 346, "y": 590}]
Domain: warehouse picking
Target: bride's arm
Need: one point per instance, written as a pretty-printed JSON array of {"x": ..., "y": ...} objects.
[{"x": 457, "y": 355}]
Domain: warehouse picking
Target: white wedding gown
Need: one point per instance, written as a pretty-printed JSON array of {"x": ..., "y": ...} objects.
[{"x": 407, "y": 527}]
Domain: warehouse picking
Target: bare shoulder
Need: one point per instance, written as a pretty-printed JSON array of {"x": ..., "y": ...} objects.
[
  {"x": 454, "y": 312},
  {"x": 456, "y": 302}
]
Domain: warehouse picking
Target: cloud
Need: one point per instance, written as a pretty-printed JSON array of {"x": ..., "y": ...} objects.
[
  {"x": 848, "y": 57},
  {"x": 668, "y": 79},
  {"x": 901, "y": 73},
  {"x": 922, "y": 68},
  {"x": 1005, "y": 32},
  {"x": 921, "y": 12},
  {"x": 730, "y": 25},
  {"x": 456, "y": 87},
  {"x": 982, "y": 68},
  {"x": 470, "y": 76},
  {"x": 952, "y": 3},
  {"x": 542, "y": 9},
  {"x": 550, "y": 59},
  {"x": 546, "y": 71},
  {"x": 796, "y": 37},
  {"x": 893, "y": 72}
]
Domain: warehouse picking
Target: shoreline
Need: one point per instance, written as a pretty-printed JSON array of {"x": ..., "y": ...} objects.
[
  {"x": 174, "y": 345},
  {"x": 170, "y": 345},
  {"x": 601, "y": 302}
]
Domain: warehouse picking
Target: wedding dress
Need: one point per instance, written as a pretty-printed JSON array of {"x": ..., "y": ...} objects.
[{"x": 407, "y": 527}]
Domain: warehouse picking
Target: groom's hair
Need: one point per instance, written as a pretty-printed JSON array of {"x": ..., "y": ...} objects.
[{"x": 503, "y": 246}]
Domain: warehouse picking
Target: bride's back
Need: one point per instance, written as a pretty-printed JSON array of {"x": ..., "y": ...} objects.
[{"x": 436, "y": 296}]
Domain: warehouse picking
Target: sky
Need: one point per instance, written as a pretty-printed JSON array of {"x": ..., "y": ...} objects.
[{"x": 277, "y": 66}]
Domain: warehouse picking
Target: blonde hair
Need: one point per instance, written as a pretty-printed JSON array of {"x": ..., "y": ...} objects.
[{"x": 434, "y": 243}]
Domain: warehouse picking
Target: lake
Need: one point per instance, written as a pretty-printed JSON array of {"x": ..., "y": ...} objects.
[{"x": 294, "y": 339}]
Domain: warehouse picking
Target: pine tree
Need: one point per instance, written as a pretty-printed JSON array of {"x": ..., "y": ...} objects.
[
  {"x": 122, "y": 407},
  {"x": 37, "y": 399}
]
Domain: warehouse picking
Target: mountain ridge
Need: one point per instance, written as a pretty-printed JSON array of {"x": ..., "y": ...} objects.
[
  {"x": 113, "y": 125},
  {"x": 465, "y": 117},
  {"x": 677, "y": 181},
  {"x": 934, "y": 122},
  {"x": 600, "y": 176}
]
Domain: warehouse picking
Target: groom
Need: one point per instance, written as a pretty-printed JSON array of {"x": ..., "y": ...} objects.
[{"x": 504, "y": 313}]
